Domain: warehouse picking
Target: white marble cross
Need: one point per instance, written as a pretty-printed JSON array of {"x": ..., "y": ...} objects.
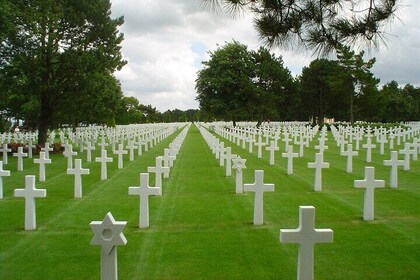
[
  {"x": 289, "y": 155},
  {"x": 306, "y": 235},
  {"x": 321, "y": 147},
  {"x": 168, "y": 160},
  {"x": 228, "y": 156},
  {"x": 407, "y": 151},
  {"x": 286, "y": 141},
  {"x": 30, "y": 193},
  {"x": 350, "y": 154},
  {"x": 222, "y": 151},
  {"x": 251, "y": 142},
  {"x": 103, "y": 159},
  {"x": 78, "y": 171},
  {"x": 301, "y": 144},
  {"x": 2, "y": 174},
  {"x": 47, "y": 150},
  {"x": 89, "y": 148},
  {"x": 139, "y": 143},
  {"x": 20, "y": 155},
  {"x": 258, "y": 187},
  {"x": 131, "y": 147},
  {"x": 103, "y": 144},
  {"x": 394, "y": 162},
  {"x": 319, "y": 164},
  {"x": 382, "y": 140},
  {"x": 369, "y": 146},
  {"x": 42, "y": 161},
  {"x": 143, "y": 191},
  {"x": 5, "y": 150},
  {"x": 272, "y": 148},
  {"x": 239, "y": 164},
  {"x": 259, "y": 144},
  {"x": 68, "y": 153},
  {"x": 158, "y": 169},
  {"x": 30, "y": 147},
  {"x": 108, "y": 234},
  {"x": 369, "y": 184},
  {"x": 120, "y": 152}
]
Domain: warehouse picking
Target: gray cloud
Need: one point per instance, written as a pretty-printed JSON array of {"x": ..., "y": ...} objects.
[{"x": 166, "y": 40}]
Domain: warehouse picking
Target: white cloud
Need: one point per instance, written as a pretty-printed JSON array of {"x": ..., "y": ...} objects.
[{"x": 166, "y": 40}]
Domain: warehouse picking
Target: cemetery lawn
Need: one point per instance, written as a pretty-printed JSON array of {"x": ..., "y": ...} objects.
[{"x": 201, "y": 229}]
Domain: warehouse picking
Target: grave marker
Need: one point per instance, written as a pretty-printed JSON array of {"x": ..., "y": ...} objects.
[
  {"x": 103, "y": 159},
  {"x": 30, "y": 193},
  {"x": 319, "y": 164},
  {"x": 369, "y": 146},
  {"x": 239, "y": 164},
  {"x": 272, "y": 148},
  {"x": 42, "y": 161},
  {"x": 89, "y": 148},
  {"x": 47, "y": 150},
  {"x": 350, "y": 154},
  {"x": 143, "y": 191},
  {"x": 5, "y": 150},
  {"x": 306, "y": 235},
  {"x": 20, "y": 155},
  {"x": 120, "y": 152},
  {"x": 369, "y": 184},
  {"x": 108, "y": 234},
  {"x": 394, "y": 162},
  {"x": 2, "y": 174},
  {"x": 259, "y": 144},
  {"x": 78, "y": 171},
  {"x": 258, "y": 187},
  {"x": 289, "y": 155},
  {"x": 68, "y": 153},
  {"x": 158, "y": 170}
]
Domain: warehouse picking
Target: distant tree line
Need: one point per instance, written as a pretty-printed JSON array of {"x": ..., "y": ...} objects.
[
  {"x": 130, "y": 111},
  {"x": 239, "y": 84}
]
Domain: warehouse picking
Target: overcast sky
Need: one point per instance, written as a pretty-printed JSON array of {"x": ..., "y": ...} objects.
[{"x": 166, "y": 41}]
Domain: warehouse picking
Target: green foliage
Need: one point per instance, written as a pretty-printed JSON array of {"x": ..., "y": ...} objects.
[
  {"x": 224, "y": 84},
  {"x": 240, "y": 84},
  {"x": 317, "y": 93},
  {"x": 59, "y": 56},
  {"x": 354, "y": 76},
  {"x": 317, "y": 25}
]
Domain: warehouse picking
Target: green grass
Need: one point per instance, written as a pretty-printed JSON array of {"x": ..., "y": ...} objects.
[{"x": 200, "y": 229}]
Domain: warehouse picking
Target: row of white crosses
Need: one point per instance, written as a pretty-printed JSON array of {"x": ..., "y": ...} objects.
[
  {"x": 108, "y": 232},
  {"x": 344, "y": 137},
  {"x": 30, "y": 192},
  {"x": 273, "y": 144},
  {"x": 306, "y": 235},
  {"x": 144, "y": 190}
]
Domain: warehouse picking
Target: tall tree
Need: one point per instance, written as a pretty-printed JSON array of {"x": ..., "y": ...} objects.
[
  {"x": 318, "y": 25},
  {"x": 274, "y": 95},
  {"x": 251, "y": 85},
  {"x": 225, "y": 81},
  {"x": 317, "y": 93},
  {"x": 355, "y": 75},
  {"x": 54, "y": 52}
]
